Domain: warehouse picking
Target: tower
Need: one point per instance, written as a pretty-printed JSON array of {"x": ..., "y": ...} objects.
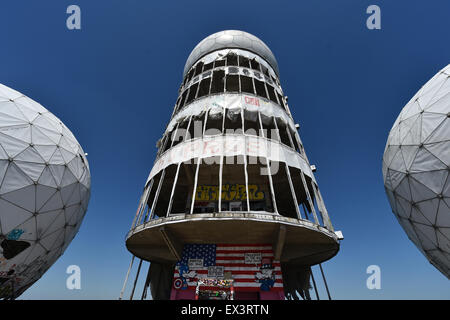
[{"x": 231, "y": 208}]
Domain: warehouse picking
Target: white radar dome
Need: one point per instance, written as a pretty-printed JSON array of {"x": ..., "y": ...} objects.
[
  {"x": 44, "y": 190},
  {"x": 416, "y": 167}
]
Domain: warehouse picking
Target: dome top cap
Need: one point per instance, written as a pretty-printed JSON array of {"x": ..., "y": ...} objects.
[{"x": 231, "y": 39}]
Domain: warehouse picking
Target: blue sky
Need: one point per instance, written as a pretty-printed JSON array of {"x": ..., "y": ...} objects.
[{"x": 115, "y": 81}]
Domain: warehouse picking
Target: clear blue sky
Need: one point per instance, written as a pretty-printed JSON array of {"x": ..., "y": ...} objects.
[{"x": 115, "y": 81}]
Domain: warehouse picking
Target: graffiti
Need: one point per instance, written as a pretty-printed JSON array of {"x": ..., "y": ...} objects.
[
  {"x": 15, "y": 234},
  {"x": 185, "y": 275},
  {"x": 8, "y": 280},
  {"x": 19, "y": 276},
  {"x": 252, "y": 100},
  {"x": 9, "y": 273},
  {"x": 266, "y": 276},
  {"x": 215, "y": 282},
  {"x": 230, "y": 192}
]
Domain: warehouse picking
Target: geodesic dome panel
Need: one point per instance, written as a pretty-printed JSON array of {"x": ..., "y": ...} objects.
[
  {"x": 44, "y": 190},
  {"x": 231, "y": 39},
  {"x": 416, "y": 166}
]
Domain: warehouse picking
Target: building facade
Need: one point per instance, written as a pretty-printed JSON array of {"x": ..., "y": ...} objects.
[{"x": 231, "y": 208}]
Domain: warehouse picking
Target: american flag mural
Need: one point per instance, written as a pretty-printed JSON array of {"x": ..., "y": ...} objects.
[{"x": 250, "y": 266}]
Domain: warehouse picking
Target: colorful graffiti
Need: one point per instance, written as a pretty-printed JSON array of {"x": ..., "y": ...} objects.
[
  {"x": 185, "y": 275},
  {"x": 230, "y": 192},
  {"x": 266, "y": 276},
  {"x": 15, "y": 234}
]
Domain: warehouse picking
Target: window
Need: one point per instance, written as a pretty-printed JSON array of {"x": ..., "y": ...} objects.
[
  {"x": 280, "y": 98},
  {"x": 219, "y": 63},
  {"x": 218, "y": 81},
  {"x": 232, "y": 59},
  {"x": 192, "y": 93},
  {"x": 208, "y": 66},
  {"x": 244, "y": 62},
  {"x": 198, "y": 68},
  {"x": 254, "y": 64},
  {"x": 271, "y": 92},
  {"x": 251, "y": 123},
  {"x": 232, "y": 83},
  {"x": 260, "y": 88},
  {"x": 246, "y": 84},
  {"x": 190, "y": 74},
  {"x": 204, "y": 87},
  {"x": 214, "y": 123}
]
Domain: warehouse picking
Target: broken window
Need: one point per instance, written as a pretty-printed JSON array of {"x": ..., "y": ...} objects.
[
  {"x": 219, "y": 63},
  {"x": 265, "y": 70},
  {"x": 260, "y": 89},
  {"x": 180, "y": 133},
  {"x": 162, "y": 145},
  {"x": 269, "y": 128},
  {"x": 198, "y": 69},
  {"x": 282, "y": 130},
  {"x": 251, "y": 123},
  {"x": 208, "y": 66},
  {"x": 192, "y": 93},
  {"x": 168, "y": 140},
  {"x": 233, "y": 121},
  {"x": 260, "y": 196},
  {"x": 190, "y": 74},
  {"x": 294, "y": 140},
  {"x": 177, "y": 104},
  {"x": 234, "y": 195},
  {"x": 214, "y": 123},
  {"x": 282, "y": 189},
  {"x": 184, "y": 187},
  {"x": 162, "y": 199},
  {"x": 207, "y": 191},
  {"x": 156, "y": 179},
  {"x": 246, "y": 84},
  {"x": 196, "y": 127},
  {"x": 280, "y": 99},
  {"x": 254, "y": 64},
  {"x": 232, "y": 83},
  {"x": 218, "y": 81},
  {"x": 232, "y": 59},
  {"x": 183, "y": 98},
  {"x": 244, "y": 62},
  {"x": 300, "y": 193},
  {"x": 271, "y": 92},
  {"x": 204, "y": 87},
  {"x": 274, "y": 79}
]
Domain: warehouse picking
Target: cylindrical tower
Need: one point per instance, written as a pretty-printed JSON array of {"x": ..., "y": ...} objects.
[{"x": 231, "y": 207}]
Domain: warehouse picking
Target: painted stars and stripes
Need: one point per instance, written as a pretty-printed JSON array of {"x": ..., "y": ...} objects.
[
  {"x": 246, "y": 276},
  {"x": 207, "y": 252}
]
